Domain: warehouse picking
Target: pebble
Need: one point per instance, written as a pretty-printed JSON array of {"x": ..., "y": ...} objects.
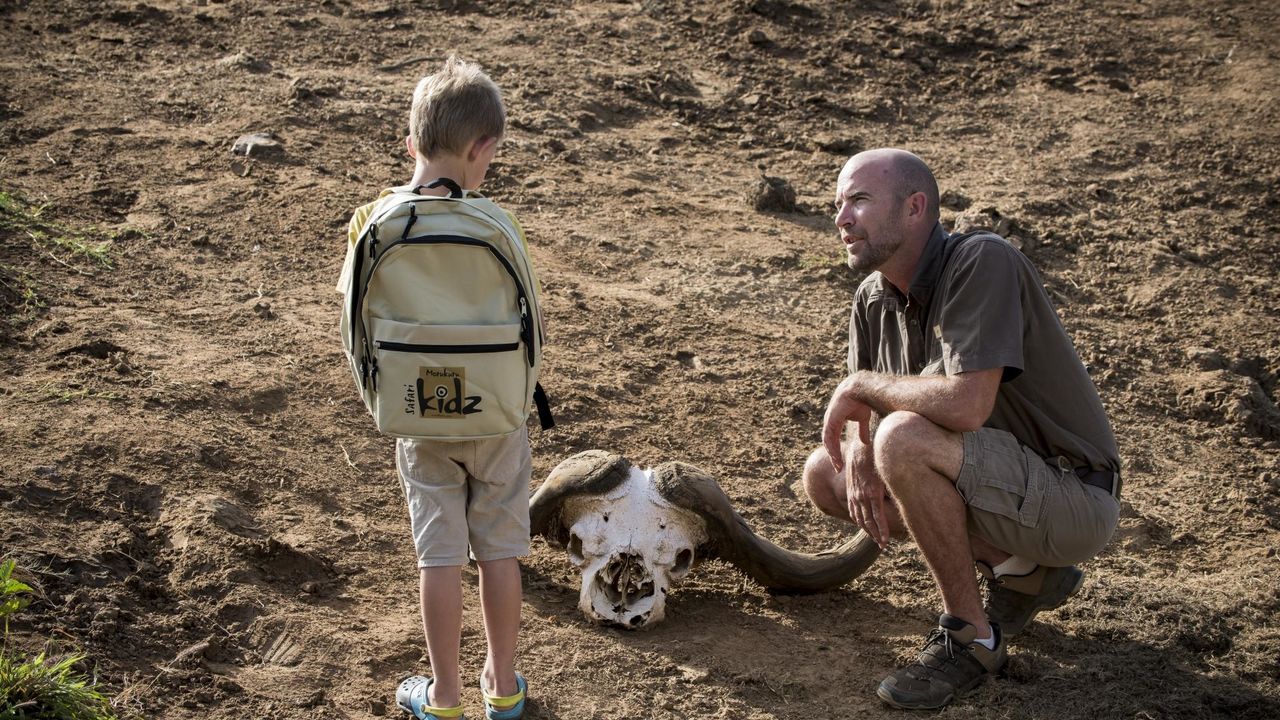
[
  {"x": 953, "y": 200},
  {"x": 260, "y": 144},
  {"x": 244, "y": 61},
  {"x": 1206, "y": 358},
  {"x": 693, "y": 675},
  {"x": 840, "y": 145},
  {"x": 773, "y": 193}
]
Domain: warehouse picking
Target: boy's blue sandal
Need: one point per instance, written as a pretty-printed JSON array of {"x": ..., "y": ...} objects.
[
  {"x": 516, "y": 701},
  {"x": 414, "y": 696}
]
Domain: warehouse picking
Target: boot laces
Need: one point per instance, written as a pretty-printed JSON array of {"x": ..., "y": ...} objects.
[{"x": 937, "y": 636}]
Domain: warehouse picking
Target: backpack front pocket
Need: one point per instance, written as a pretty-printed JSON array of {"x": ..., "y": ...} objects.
[{"x": 448, "y": 380}]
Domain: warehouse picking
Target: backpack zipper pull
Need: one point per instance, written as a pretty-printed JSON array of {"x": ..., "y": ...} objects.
[
  {"x": 526, "y": 331},
  {"x": 373, "y": 372}
]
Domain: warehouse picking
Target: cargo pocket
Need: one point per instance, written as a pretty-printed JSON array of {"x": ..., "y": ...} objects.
[
  {"x": 448, "y": 380},
  {"x": 1008, "y": 479}
]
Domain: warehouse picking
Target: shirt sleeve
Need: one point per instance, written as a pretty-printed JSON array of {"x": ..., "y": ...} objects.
[
  {"x": 859, "y": 333},
  {"x": 537, "y": 284},
  {"x": 354, "y": 226},
  {"x": 980, "y": 322}
]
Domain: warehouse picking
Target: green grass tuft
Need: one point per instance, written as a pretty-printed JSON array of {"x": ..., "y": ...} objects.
[
  {"x": 87, "y": 243},
  {"x": 63, "y": 394},
  {"x": 42, "y": 688},
  {"x": 12, "y": 593}
]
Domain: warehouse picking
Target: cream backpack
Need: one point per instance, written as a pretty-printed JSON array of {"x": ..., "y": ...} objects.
[{"x": 440, "y": 318}]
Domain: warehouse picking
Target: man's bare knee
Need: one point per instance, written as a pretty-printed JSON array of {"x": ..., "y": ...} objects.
[
  {"x": 823, "y": 485},
  {"x": 907, "y": 444},
  {"x": 898, "y": 438}
]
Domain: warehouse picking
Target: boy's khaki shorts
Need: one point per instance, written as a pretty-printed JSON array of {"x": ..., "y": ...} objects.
[
  {"x": 471, "y": 493},
  {"x": 1028, "y": 506}
]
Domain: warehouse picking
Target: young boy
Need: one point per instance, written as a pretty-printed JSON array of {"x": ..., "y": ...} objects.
[{"x": 471, "y": 494}]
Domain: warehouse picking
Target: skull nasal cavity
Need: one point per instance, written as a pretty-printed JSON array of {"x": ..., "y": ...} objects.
[{"x": 625, "y": 580}]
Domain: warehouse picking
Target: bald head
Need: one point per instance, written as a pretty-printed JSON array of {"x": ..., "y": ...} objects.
[{"x": 903, "y": 172}]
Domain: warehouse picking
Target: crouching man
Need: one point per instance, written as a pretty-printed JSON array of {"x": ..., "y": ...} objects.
[{"x": 972, "y": 422}]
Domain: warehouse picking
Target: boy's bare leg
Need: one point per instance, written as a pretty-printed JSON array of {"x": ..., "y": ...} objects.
[
  {"x": 500, "y": 599},
  {"x": 441, "y": 590}
]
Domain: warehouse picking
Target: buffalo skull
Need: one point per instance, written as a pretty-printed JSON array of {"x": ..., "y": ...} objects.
[{"x": 633, "y": 532}]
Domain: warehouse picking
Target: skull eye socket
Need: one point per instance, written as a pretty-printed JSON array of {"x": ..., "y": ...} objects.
[
  {"x": 575, "y": 549},
  {"x": 684, "y": 561}
]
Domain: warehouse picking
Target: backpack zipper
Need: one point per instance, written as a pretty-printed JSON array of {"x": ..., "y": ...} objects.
[{"x": 460, "y": 349}]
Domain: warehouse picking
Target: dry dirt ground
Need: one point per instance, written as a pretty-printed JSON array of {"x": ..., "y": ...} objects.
[{"x": 191, "y": 482}]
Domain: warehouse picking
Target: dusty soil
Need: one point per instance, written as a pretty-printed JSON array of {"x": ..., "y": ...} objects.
[{"x": 208, "y": 513}]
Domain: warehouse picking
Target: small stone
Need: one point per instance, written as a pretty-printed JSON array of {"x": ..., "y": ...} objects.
[
  {"x": 988, "y": 218},
  {"x": 970, "y": 221},
  {"x": 953, "y": 200},
  {"x": 840, "y": 145},
  {"x": 260, "y": 144},
  {"x": 758, "y": 37},
  {"x": 300, "y": 90},
  {"x": 773, "y": 193},
  {"x": 692, "y": 674},
  {"x": 1206, "y": 358},
  {"x": 1099, "y": 193},
  {"x": 262, "y": 309},
  {"x": 244, "y": 61},
  {"x": 751, "y": 100},
  {"x": 377, "y": 708}
]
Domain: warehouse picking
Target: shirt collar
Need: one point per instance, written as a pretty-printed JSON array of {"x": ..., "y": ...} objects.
[{"x": 929, "y": 269}]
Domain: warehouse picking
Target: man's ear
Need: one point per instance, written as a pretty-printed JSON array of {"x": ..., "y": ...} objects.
[
  {"x": 408, "y": 147},
  {"x": 918, "y": 205},
  {"x": 481, "y": 146}
]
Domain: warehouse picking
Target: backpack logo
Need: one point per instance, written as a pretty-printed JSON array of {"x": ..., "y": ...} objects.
[{"x": 441, "y": 393}]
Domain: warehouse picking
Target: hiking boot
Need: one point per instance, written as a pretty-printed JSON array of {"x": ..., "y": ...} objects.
[
  {"x": 950, "y": 665},
  {"x": 1012, "y": 600}
]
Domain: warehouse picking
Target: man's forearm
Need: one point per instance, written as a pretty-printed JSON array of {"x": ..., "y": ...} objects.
[{"x": 958, "y": 403}]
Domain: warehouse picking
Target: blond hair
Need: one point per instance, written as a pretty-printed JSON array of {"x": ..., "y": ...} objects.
[{"x": 454, "y": 107}]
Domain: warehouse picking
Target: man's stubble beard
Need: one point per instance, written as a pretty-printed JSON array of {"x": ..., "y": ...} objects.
[{"x": 873, "y": 256}]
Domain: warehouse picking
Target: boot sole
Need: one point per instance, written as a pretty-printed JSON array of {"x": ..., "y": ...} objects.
[{"x": 888, "y": 697}]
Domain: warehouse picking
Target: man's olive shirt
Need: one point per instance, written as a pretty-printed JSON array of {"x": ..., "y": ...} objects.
[{"x": 976, "y": 303}]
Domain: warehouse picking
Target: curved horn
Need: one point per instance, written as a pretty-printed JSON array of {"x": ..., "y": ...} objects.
[
  {"x": 732, "y": 540},
  {"x": 593, "y": 472}
]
